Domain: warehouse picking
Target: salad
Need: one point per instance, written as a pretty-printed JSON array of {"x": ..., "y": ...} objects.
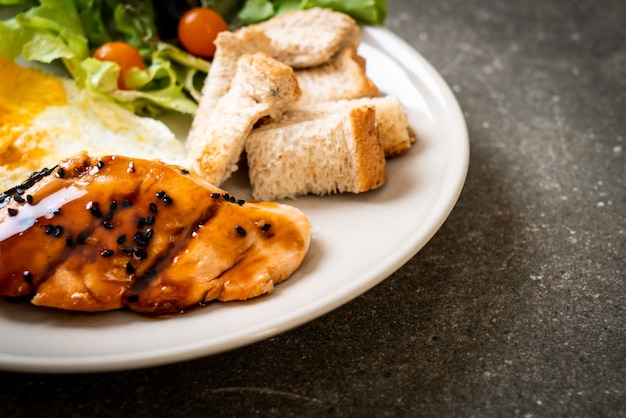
[{"x": 144, "y": 54}]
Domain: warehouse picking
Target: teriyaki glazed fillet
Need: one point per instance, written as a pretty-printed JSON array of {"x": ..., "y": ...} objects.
[{"x": 96, "y": 234}]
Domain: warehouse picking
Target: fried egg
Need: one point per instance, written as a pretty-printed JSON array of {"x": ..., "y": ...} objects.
[{"x": 45, "y": 118}]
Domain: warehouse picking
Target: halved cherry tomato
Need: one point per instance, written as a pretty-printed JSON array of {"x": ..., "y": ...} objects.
[
  {"x": 197, "y": 30},
  {"x": 125, "y": 55}
]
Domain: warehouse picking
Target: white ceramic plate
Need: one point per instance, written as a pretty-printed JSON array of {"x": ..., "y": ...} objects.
[{"x": 357, "y": 241}]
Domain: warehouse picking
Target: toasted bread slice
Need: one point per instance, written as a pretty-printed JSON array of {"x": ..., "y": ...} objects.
[
  {"x": 262, "y": 87},
  {"x": 319, "y": 38},
  {"x": 342, "y": 77},
  {"x": 306, "y": 38},
  {"x": 396, "y": 136},
  {"x": 297, "y": 39},
  {"x": 334, "y": 153},
  {"x": 230, "y": 46}
]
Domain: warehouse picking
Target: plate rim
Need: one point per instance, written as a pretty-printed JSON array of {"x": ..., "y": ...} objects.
[{"x": 394, "y": 46}]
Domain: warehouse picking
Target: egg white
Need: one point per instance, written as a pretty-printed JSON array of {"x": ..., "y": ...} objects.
[{"x": 89, "y": 124}]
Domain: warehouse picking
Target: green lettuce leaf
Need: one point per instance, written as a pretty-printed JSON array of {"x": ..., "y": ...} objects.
[
  {"x": 94, "y": 24},
  {"x": 16, "y": 2},
  {"x": 367, "y": 11},
  {"x": 70, "y": 30},
  {"x": 168, "y": 83},
  {"x": 43, "y": 34},
  {"x": 228, "y": 9},
  {"x": 255, "y": 11}
]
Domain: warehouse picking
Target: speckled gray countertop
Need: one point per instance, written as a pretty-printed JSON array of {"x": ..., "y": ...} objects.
[{"x": 517, "y": 306}]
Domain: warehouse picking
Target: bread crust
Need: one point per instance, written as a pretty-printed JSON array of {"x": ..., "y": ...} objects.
[
  {"x": 370, "y": 164},
  {"x": 394, "y": 131},
  {"x": 230, "y": 46},
  {"x": 335, "y": 153},
  {"x": 340, "y": 78}
]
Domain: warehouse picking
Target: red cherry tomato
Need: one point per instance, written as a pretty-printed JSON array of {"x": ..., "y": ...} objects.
[
  {"x": 197, "y": 30},
  {"x": 123, "y": 54}
]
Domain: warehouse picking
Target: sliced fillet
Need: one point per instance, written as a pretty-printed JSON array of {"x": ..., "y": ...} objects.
[{"x": 101, "y": 234}]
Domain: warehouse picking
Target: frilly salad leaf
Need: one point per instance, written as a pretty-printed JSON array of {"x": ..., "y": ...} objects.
[
  {"x": 70, "y": 30},
  {"x": 43, "y": 34},
  {"x": 152, "y": 90},
  {"x": 372, "y": 12}
]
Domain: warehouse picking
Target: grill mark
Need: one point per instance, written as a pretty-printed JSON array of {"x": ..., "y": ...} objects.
[
  {"x": 63, "y": 255},
  {"x": 87, "y": 231},
  {"x": 164, "y": 259}
]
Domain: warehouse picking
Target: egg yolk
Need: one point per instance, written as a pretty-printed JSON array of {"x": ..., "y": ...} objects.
[{"x": 27, "y": 92}]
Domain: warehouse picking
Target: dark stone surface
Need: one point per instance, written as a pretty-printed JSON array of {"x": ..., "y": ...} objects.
[{"x": 516, "y": 307}]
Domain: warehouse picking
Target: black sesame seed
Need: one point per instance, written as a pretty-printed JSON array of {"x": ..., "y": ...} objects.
[
  {"x": 57, "y": 212},
  {"x": 149, "y": 233},
  {"x": 141, "y": 222},
  {"x": 69, "y": 241},
  {"x": 107, "y": 225},
  {"x": 12, "y": 212},
  {"x": 58, "y": 231},
  {"x": 19, "y": 199},
  {"x": 129, "y": 268},
  {"x": 100, "y": 164},
  {"x": 113, "y": 206},
  {"x": 49, "y": 229},
  {"x": 141, "y": 254},
  {"x": 240, "y": 230},
  {"x": 106, "y": 253},
  {"x": 127, "y": 203},
  {"x": 128, "y": 250},
  {"x": 28, "y": 277},
  {"x": 226, "y": 196},
  {"x": 32, "y": 179},
  {"x": 60, "y": 173},
  {"x": 240, "y": 202},
  {"x": 215, "y": 195},
  {"x": 95, "y": 210},
  {"x": 139, "y": 238},
  {"x": 121, "y": 239},
  {"x": 232, "y": 199},
  {"x": 167, "y": 200},
  {"x": 107, "y": 217},
  {"x": 160, "y": 194},
  {"x": 266, "y": 227},
  {"x": 150, "y": 220},
  {"x": 30, "y": 199},
  {"x": 153, "y": 207},
  {"x": 184, "y": 171}
]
